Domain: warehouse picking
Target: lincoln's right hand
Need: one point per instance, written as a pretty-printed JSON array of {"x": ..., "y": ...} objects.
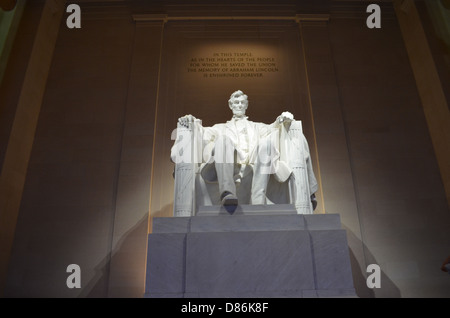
[{"x": 186, "y": 120}]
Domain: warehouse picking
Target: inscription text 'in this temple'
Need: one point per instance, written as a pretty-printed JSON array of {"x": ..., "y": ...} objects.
[{"x": 235, "y": 64}]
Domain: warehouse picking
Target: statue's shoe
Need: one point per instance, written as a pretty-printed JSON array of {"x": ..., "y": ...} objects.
[{"x": 230, "y": 200}]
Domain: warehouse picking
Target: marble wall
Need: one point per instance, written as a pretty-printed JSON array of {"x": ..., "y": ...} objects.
[{"x": 403, "y": 213}]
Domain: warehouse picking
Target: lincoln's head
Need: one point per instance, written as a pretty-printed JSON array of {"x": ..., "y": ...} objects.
[{"x": 238, "y": 103}]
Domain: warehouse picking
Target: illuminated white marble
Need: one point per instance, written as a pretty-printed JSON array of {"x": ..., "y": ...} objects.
[{"x": 255, "y": 162}]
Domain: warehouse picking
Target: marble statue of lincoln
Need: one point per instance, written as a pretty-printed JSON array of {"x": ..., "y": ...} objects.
[{"x": 238, "y": 144}]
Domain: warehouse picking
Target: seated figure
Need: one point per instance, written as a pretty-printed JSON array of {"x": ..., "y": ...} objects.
[{"x": 242, "y": 162}]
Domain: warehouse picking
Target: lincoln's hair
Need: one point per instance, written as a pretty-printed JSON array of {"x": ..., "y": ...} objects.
[{"x": 235, "y": 95}]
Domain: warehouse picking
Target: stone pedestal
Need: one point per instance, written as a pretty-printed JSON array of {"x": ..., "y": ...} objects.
[{"x": 257, "y": 251}]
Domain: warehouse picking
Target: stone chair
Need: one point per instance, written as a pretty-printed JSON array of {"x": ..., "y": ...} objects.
[{"x": 191, "y": 190}]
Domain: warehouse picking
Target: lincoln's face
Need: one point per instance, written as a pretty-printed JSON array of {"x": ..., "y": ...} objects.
[{"x": 239, "y": 106}]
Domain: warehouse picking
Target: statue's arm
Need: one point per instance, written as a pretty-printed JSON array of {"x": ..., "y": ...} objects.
[
  {"x": 186, "y": 120},
  {"x": 285, "y": 117},
  {"x": 183, "y": 137}
]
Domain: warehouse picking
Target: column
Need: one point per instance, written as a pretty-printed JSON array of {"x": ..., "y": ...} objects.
[
  {"x": 15, "y": 164},
  {"x": 128, "y": 253},
  {"x": 428, "y": 84},
  {"x": 330, "y": 131}
]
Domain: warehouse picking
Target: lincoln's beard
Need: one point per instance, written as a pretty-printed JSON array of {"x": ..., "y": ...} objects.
[{"x": 237, "y": 113}]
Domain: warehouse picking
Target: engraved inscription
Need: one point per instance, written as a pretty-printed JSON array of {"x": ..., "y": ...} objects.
[{"x": 232, "y": 64}]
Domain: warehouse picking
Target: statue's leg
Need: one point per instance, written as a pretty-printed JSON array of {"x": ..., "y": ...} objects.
[
  {"x": 259, "y": 185},
  {"x": 224, "y": 157},
  {"x": 261, "y": 172},
  {"x": 225, "y": 178}
]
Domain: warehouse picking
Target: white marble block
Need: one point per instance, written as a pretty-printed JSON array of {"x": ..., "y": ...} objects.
[{"x": 250, "y": 254}]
